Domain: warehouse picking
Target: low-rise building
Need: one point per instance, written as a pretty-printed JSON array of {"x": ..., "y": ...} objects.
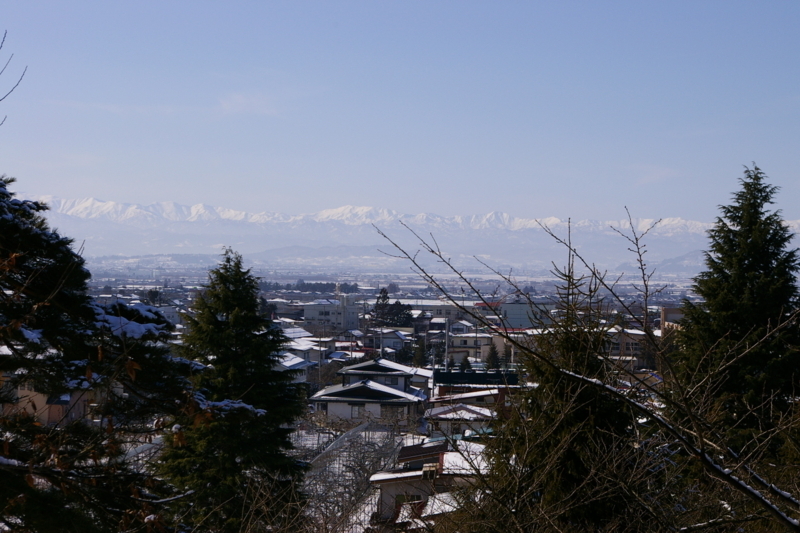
[{"x": 378, "y": 389}]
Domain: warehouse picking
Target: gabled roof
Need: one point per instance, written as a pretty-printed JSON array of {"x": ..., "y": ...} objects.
[
  {"x": 468, "y": 460},
  {"x": 617, "y": 329},
  {"x": 296, "y": 333},
  {"x": 418, "y": 451},
  {"x": 460, "y": 412},
  {"x": 377, "y": 332},
  {"x": 409, "y": 369},
  {"x": 300, "y": 344},
  {"x": 385, "y": 366},
  {"x": 466, "y": 395},
  {"x": 368, "y": 390},
  {"x": 292, "y": 362}
]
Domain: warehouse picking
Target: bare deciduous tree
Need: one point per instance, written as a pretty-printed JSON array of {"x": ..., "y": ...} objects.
[{"x": 672, "y": 470}]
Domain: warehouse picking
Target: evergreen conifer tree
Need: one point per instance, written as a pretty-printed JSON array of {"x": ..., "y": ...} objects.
[
  {"x": 391, "y": 314},
  {"x": 551, "y": 456},
  {"x": 231, "y": 449},
  {"x": 748, "y": 289},
  {"x": 420, "y": 353},
  {"x": 493, "y": 358},
  {"x": 381, "y": 310},
  {"x": 63, "y": 467}
]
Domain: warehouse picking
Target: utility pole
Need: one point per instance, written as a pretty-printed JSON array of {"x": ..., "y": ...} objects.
[{"x": 446, "y": 345}]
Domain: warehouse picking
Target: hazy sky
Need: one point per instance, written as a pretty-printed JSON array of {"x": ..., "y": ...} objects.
[{"x": 567, "y": 109}]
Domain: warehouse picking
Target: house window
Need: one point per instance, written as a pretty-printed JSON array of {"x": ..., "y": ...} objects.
[
  {"x": 357, "y": 410},
  {"x": 400, "y": 499},
  {"x": 391, "y": 380},
  {"x": 392, "y": 412},
  {"x": 323, "y": 406}
]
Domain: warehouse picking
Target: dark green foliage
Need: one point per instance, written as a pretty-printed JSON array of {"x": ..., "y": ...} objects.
[
  {"x": 266, "y": 308},
  {"x": 748, "y": 289},
  {"x": 438, "y": 354},
  {"x": 558, "y": 459},
  {"x": 302, "y": 286},
  {"x": 231, "y": 447},
  {"x": 493, "y": 358},
  {"x": 154, "y": 297},
  {"x": 400, "y": 315},
  {"x": 420, "y": 353},
  {"x": 404, "y": 355},
  {"x": 63, "y": 465},
  {"x": 397, "y": 314},
  {"x": 464, "y": 365},
  {"x": 381, "y": 310}
]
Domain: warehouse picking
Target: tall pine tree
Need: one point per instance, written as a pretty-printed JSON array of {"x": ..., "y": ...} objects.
[
  {"x": 231, "y": 446},
  {"x": 748, "y": 290},
  {"x": 493, "y": 358},
  {"x": 83, "y": 386}
]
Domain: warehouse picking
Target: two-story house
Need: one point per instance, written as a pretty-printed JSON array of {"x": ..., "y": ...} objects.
[{"x": 378, "y": 389}]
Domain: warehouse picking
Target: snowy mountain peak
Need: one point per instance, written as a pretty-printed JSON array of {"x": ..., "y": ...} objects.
[
  {"x": 164, "y": 212},
  {"x": 108, "y": 227},
  {"x": 353, "y": 215}
]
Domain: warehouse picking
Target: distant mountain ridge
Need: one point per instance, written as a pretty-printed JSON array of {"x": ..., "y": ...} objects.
[
  {"x": 91, "y": 208},
  {"x": 114, "y": 228}
]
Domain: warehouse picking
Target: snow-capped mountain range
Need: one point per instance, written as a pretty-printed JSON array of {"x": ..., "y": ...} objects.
[
  {"x": 160, "y": 212},
  {"x": 113, "y": 228}
]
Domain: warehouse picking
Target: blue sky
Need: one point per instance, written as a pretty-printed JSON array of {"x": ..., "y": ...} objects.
[{"x": 567, "y": 109}]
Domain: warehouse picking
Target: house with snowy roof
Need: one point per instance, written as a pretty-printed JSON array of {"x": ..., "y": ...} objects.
[
  {"x": 474, "y": 345},
  {"x": 626, "y": 348},
  {"x": 421, "y": 489},
  {"x": 378, "y": 389},
  {"x": 287, "y": 361},
  {"x": 391, "y": 373},
  {"x": 449, "y": 420},
  {"x": 386, "y": 339}
]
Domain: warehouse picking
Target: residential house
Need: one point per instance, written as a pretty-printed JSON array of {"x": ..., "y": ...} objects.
[
  {"x": 290, "y": 362},
  {"x": 386, "y": 339},
  {"x": 421, "y": 489},
  {"x": 474, "y": 345},
  {"x": 448, "y": 420},
  {"x": 379, "y": 389},
  {"x": 626, "y": 348}
]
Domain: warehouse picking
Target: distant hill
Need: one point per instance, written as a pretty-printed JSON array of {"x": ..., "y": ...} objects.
[{"x": 348, "y": 234}]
